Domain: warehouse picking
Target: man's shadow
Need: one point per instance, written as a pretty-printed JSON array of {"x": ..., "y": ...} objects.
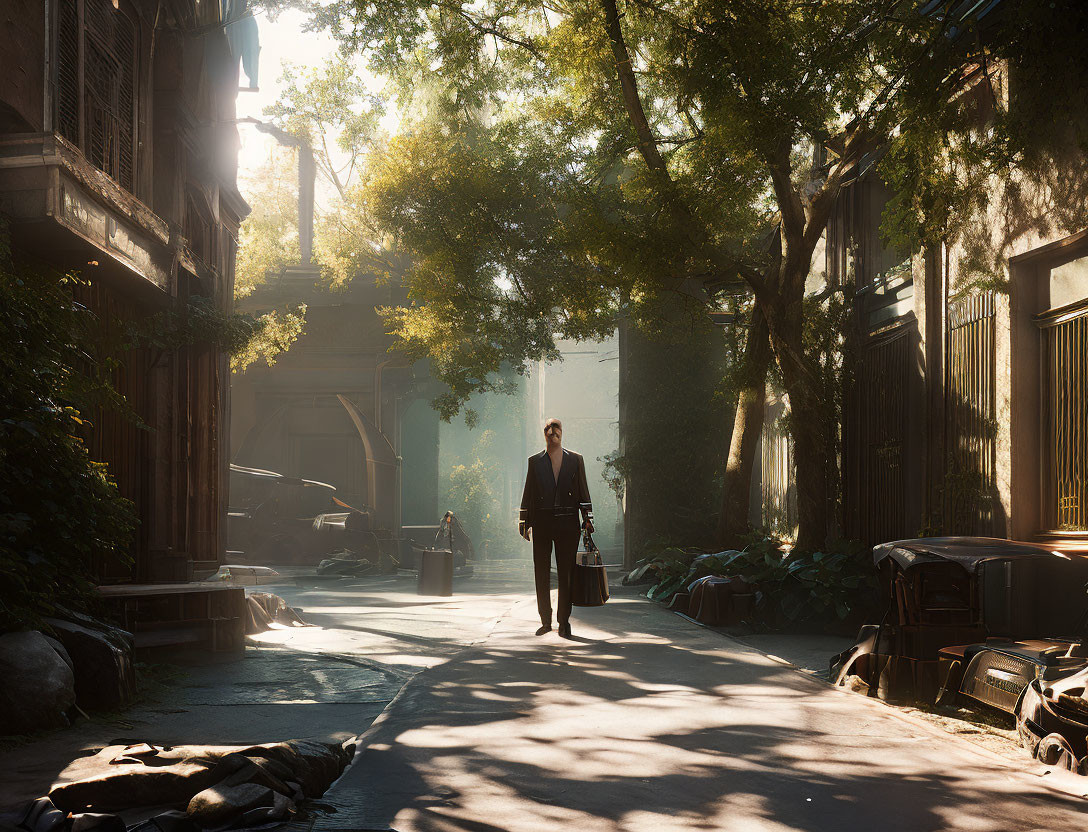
[{"x": 584, "y": 640}]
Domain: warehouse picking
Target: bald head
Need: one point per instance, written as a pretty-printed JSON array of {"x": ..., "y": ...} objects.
[{"x": 553, "y": 433}]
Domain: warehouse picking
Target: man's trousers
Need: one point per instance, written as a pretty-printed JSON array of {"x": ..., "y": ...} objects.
[{"x": 563, "y": 534}]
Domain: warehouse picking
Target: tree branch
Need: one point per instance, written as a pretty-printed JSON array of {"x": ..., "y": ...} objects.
[
  {"x": 695, "y": 235},
  {"x": 647, "y": 144},
  {"x": 789, "y": 200},
  {"x": 492, "y": 30}
]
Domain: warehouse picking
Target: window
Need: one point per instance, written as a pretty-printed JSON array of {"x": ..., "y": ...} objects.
[
  {"x": 885, "y": 283},
  {"x": 1065, "y": 418},
  {"x": 96, "y": 83},
  {"x": 200, "y": 231},
  {"x": 970, "y": 425}
]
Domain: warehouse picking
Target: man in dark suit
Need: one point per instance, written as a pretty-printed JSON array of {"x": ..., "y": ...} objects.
[{"x": 555, "y": 493}]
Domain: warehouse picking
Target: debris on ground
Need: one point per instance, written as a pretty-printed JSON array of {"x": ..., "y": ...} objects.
[
  {"x": 265, "y": 611},
  {"x": 348, "y": 564},
  {"x": 102, "y": 661},
  {"x": 218, "y": 787},
  {"x": 245, "y": 575}
]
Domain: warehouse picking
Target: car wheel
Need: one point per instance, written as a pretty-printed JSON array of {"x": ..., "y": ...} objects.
[
  {"x": 1054, "y": 750},
  {"x": 1027, "y": 714}
]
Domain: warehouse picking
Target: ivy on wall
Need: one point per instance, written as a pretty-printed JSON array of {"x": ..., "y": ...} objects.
[{"x": 59, "y": 510}]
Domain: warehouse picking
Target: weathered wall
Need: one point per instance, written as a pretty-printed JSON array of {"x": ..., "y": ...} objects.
[
  {"x": 22, "y": 66},
  {"x": 121, "y": 233},
  {"x": 288, "y": 418},
  {"x": 673, "y": 430}
]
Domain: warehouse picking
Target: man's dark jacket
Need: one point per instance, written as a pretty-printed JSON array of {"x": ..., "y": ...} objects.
[{"x": 544, "y": 498}]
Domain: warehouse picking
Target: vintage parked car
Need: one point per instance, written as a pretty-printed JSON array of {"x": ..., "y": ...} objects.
[
  {"x": 1052, "y": 720},
  {"x": 986, "y": 621},
  {"x": 949, "y": 591},
  {"x": 273, "y": 518}
]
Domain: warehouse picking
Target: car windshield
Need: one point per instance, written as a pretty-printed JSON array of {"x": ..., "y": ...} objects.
[{"x": 1036, "y": 598}]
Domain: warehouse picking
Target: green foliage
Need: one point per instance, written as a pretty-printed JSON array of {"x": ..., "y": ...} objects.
[
  {"x": 572, "y": 159},
  {"x": 271, "y": 334},
  {"x": 791, "y": 588},
  {"x": 1013, "y": 143},
  {"x": 664, "y": 568},
  {"x": 60, "y": 512},
  {"x": 245, "y": 338},
  {"x": 199, "y": 321},
  {"x": 498, "y": 270},
  {"x": 330, "y": 110},
  {"x": 268, "y": 239},
  {"x": 671, "y": 575},
  {"x": 474, "y": 461},
  {"x": 469, "y": 495}
]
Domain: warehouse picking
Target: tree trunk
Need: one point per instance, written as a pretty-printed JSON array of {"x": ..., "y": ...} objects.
[
  {"x": 747, "y": 427},
  {"x": 809, "y": 427}
]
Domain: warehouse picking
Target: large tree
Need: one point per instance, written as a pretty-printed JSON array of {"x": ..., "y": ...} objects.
[{"x": 579, "y": 154}]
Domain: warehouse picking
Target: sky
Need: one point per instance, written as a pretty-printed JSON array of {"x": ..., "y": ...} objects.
[
  {"x": 284, "y": 40},
  {"x": 281, "y": 40}
]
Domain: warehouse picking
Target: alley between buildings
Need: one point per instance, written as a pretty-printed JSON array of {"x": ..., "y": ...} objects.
[{"x": 643, "y": 721}]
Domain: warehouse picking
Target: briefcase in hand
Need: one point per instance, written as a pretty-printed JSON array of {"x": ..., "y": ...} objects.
[{"x": 589, "y": 584}]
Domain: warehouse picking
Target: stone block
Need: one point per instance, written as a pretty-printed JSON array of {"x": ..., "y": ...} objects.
[
  {"x": 39, "y": 687},
  {"x": 105, "y": 677}
]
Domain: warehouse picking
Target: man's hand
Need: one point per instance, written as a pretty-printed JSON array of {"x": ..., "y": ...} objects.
[{"x": 525, "y": 531}]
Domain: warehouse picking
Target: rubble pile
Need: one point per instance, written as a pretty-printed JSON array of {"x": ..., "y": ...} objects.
[
  {"x": 101, "y": 659},
  {"x": 84, "y": 662},
  {"x": 264, "y": 611},
  {"x": 184, "y": 788}
]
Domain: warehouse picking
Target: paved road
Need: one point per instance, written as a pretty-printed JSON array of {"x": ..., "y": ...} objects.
[
  {"x": 325, "y": 682},
  {"x": 647, "y": 722}
]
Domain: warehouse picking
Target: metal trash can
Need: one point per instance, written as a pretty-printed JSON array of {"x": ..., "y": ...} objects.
[{"x": 436, "y": 572}]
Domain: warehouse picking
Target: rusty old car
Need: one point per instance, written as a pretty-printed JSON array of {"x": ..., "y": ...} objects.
[
  {"x": 982, "y": 621},
  {"x": 947, "y": 592},
  {"x": 274, "y": 518}
]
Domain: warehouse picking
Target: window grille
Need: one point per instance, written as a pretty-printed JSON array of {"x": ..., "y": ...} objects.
[
  {"x": 970, "y": 426},
  {"x": 883, "y": 377},
  {"x": 98, "y": 41},
  {"x": 1065, "y": 419},
  {"x": 67, "y": 97}
]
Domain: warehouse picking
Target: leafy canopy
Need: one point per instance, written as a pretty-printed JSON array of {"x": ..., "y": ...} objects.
[{"x": 561, "y": 161}]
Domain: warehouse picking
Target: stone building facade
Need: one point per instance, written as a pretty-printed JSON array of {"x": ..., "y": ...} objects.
[
  {"x": 338, "y": 407},
  {"x": 118, "y": 155},
  {"x": 969, "y": 411}
]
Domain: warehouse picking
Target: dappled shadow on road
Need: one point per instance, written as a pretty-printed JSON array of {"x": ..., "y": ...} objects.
[{"x": 640, "y": 732}]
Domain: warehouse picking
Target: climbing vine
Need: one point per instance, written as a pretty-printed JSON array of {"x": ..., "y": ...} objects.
[{"x": 59, "y": 510}]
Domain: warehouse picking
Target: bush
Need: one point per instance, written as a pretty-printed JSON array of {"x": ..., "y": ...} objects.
[
  {"x": 59, "y": 510},
  {"x": 791, "y": 588}
]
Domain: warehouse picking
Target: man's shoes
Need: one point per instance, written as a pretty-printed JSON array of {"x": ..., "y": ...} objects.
[
  {"x": 564, "y": 631},
  {"x": 544, "y": 628}
]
